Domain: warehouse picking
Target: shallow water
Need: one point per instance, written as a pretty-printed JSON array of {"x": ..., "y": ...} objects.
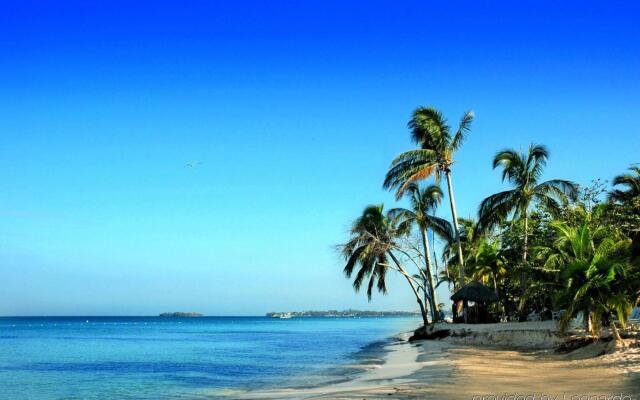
[{"x": 155, "y": 358}]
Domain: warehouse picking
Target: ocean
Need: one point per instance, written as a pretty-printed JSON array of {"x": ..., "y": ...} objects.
[{"x": 184, "y": 358}]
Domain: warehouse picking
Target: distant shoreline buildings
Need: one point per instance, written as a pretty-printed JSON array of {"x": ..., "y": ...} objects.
[{"x": 342, "y": 314}]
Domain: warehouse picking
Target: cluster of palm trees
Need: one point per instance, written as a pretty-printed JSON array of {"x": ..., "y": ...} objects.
[{"x": 540, "y": 244}]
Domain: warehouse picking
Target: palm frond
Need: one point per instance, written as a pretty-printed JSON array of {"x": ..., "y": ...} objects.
[
  {"x": 495, "y": 209},
  {"x": 410, "y": 167},
  {"x": 463, "y": 128},
  {"x": 536, "y": 161},
  {"x": 512, "y": 164},
  {"x": 441, "y": 227},
  {"x": 631, "y": 182},
  {"x": 428, "y": 128},
  {"x": 558, "y": 187}
]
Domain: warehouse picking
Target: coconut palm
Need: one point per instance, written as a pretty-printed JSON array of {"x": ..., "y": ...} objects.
[
  {"x": 373, "y": 241},
  {"x": 632, "y": 183},
  {"x": 470, "y": 238},
  {"x": 488, "y": 264},
  {"x": 523, "y": 171},
  {"x": 626, "y": 204},
  {"x": 423, "y": 204},
  {"x": 592, "y": 263},
  {"x": 430, "y": 130}
]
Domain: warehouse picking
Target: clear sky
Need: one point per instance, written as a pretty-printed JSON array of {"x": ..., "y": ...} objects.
[{"x": 294, "y": 109}]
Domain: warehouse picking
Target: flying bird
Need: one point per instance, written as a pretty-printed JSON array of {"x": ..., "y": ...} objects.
[{"x": 192, "y": 164}]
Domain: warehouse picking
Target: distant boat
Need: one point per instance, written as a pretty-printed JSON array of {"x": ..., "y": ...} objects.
[{"x": 281, "y": 315}]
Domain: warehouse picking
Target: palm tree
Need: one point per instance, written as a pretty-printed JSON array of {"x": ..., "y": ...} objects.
[
  {"x": 423, "y": 202},
  {"x": 430, "y": 130},
  {"x": 470, "y": 238},
  {"x": 593, "y": 264},
  {"x": 488, "y": 263},
  {"x": 632, "y": 183},
  {"x": 627, "y": 204},
  {"x": 523, "y": 171},
  {"x": 373, "y": 241}
]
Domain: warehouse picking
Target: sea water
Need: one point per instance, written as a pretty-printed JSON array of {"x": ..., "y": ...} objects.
[{"x": 188, "y": 358}]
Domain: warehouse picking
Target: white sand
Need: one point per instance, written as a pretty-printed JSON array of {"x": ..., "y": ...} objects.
[{"x": 444, "y": 370}]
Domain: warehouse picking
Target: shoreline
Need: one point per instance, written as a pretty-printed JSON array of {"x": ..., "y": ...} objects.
[
  {"x": 399, "y": 359},
  {"x": 491, "y": 359}
]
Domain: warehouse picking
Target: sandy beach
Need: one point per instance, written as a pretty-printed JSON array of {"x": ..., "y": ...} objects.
[{"x": 516, "y": 364}]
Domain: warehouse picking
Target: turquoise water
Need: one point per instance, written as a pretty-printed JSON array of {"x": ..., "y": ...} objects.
[{"x": 157, "y": 358}]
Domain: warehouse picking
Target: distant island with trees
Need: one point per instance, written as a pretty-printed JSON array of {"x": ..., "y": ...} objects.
[
  {"x": 343, "y": 314},
  {"x": 180, "y": 314}
]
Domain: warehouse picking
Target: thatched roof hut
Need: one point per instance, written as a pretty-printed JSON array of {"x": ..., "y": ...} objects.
[{"x": 475, "y": 291}]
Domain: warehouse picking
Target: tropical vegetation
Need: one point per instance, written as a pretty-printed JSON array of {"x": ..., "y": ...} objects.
[{"x": 540, "y": 244}]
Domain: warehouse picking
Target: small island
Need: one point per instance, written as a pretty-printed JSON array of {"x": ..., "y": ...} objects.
[
  {"x": 180, "y": 314},
  {"x": 342, "y": 314}
]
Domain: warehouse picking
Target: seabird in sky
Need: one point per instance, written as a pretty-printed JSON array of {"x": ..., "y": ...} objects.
[{"x": 192, "y": 164}]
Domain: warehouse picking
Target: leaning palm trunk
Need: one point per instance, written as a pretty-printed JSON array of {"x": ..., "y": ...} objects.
[
  {"x": 426, "y": 295},
  {"x": 429, "y": 263},
  {"x": 454, "y": 216},
  {"x": 423, "y": 311}
]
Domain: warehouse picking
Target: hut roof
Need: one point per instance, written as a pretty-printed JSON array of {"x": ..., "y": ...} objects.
[{"x": 475, "y": 291}]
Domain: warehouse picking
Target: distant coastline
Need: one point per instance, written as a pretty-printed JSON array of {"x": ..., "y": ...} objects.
[
  {"x": 343, "y": 314},
  {"x": 180, "y": 314}
]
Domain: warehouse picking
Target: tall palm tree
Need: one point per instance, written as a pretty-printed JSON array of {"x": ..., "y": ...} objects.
[
  {"x": 423, "y": 202},
  {"x": 429, "y": 129},
  {"x": 523, "y": 171},
  {"x": 373, "y": 241},
  {"x": 632, "y": 183}
]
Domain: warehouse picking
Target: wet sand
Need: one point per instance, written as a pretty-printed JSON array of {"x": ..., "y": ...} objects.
[{"x": 445, "y": 370}]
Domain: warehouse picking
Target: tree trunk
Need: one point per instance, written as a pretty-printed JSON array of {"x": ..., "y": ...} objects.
[
  {"x": 525, "y": 250},
  {"x": 428, "y": 262},
  {"x": 446, "y": 268},
  {"x": 423, "y": 311},
  {"x": 425, "y": 291},
  {"x": 454, "y": 216},
  {"x": 616, "y": 334},
  {"x": 523, "y": 275},
  {"x": 500, "y": 305}
]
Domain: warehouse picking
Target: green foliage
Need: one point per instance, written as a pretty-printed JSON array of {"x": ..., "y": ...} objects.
[
  {"x": 372, "y": 236},
  {"x": 541, "y": 244},
  {"x": 592, "y": 262},
  {"x": 523, "y": 171},
  {"x": 488, "y": 264},
  {"x": 631, "y": 186},
  {"x": 373, "y": 239},
  {"x": 423, "y": 203},
  {"x": 429, "y": 130}
]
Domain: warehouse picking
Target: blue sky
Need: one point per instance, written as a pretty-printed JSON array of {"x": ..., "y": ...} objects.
[{"x": 295, "y": 109}]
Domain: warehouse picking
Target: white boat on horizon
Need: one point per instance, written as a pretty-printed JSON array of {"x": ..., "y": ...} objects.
[{"x": 282, "y": 315}]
